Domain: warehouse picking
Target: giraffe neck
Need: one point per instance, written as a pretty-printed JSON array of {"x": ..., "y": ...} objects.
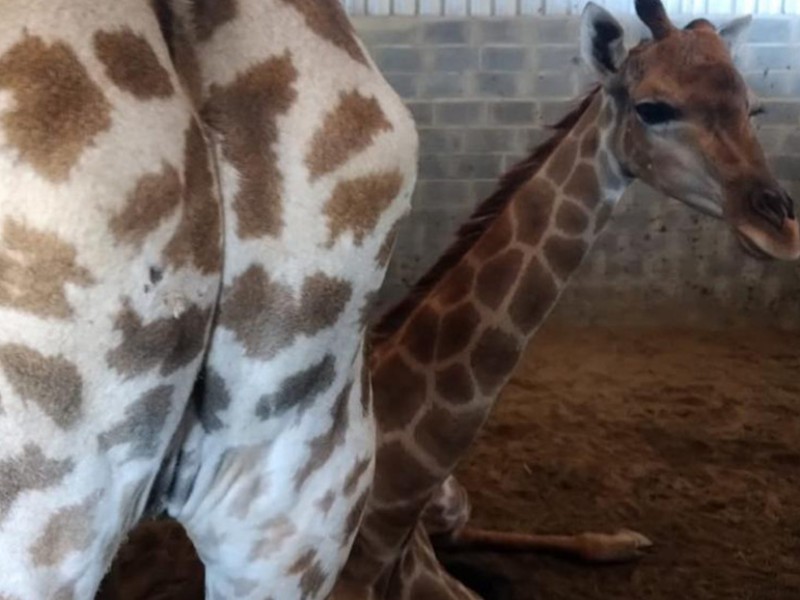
[{"x": 436, "y": 378}]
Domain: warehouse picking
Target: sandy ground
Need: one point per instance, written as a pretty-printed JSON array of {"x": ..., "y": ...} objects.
[{"x": 691, "y": 438}]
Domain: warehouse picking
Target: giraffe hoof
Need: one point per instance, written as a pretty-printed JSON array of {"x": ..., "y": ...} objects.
[{"x": 624, "y": 545}]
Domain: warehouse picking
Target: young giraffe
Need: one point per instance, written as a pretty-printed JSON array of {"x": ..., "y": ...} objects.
[
  {"x": 135, "y": 254},
  {"x": 674, "y": 113}
]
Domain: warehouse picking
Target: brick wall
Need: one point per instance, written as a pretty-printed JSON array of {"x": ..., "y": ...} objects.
[{"x": 482, "y": 91}]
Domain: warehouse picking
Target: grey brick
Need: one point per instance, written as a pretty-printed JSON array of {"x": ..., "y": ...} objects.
[
  {"x": 785, "y": 167},
  {"x": 475, "y": 166},
  {"x": 772, "y": 138},
  {"x": 773, "y": 57},
  {"x": 382, "y": 32},
  {"x": 499, "y": 85},
  {"x": 404, "y": 84},
  {"x": 771, "y": 82},
  {"x": 490, "y": 140},
  {"x": 777, "y": 113},
  {"x": 528, "y": 139},
  {"x": 458, "y": 113},
  {"x": 770, "y": 30},
  {"x": 455, "y": 58},
  {"x": 501, "y": 31},
  {"x": 556, "y": 30},
  {"x": 791, "y": 144},
  {"x": 422, "y": 112},
  {"x": 483, "y": 188},
  {"x": 510, "y": 160},
  {"x": 555, "y": 84},
  {"x": 398, "y": 59},
  {"x": 446, "y": 32},
  {"x": 557, "y": 57},
  {"x": 442, "y": 85},
  {"x": 447, "y": 141},
  {"x": 434, "y": 166},
  {"x": 504, "y": 58},
  {"x": 442, "y": 192},
  {"x": 552, "y": 112},
  {"x": 512, "y": 112}
]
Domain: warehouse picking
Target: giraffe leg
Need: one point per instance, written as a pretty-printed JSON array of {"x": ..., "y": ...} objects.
[
  {"x": 624, "y": 545},
  {"x": 446, "y": 516},
  {"x": 103, "y": 305}
]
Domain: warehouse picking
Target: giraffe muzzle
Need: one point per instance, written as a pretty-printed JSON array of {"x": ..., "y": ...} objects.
[{"x": 773, "y": 206}]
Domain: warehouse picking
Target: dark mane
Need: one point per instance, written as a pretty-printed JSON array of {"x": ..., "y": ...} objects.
[{"x": 483, "y": 217}]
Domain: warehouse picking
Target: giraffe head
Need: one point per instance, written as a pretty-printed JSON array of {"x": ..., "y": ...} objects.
[{"x": 682, "y": 122}]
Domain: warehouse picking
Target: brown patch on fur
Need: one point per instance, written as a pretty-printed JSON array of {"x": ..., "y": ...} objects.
[
  {"x": 564, "y": 255},
  {"x": 354, "y": 476},
  {"x": 398, "y": 475},
  {"x": 494, "y": 358},
  {"x": 329, "y": 21},
  {"x": 354, "y": 517},
  {"x": 170, "y": 342},
  {"x": 68, "y": 530},
  {"x": 562, "y": 161},
  {"x": 155, "y": 197},
  {"x": 35, "y": 267},
  {"x": 457, "y": 330},
  {"x": 535, "y": 295},
  {"x": 481, "y": 222},
  {"x": 273, "y": 534},
  {"x": 497, "y": 276},
  {"x": 29, "y": 471},
  {"x": 299, "y": 390},
  {"x": 445, "y": 435},
  {"x": 420, "y": 334},
  {"x": 533, "y": 208},
  {"x": 198, "y": 237},
  {"x": 142, "y": 426},
  {"x": 357, "y": 204},
  {"x": 211, "y": 14},
  {"x": 385, "y": 252},
  {"x": 52, "y": 382},
  {"x": 571, "y": 218},
  {"x": 583, "y": 186},
  {"x": 59, "y": 109},
  {"x": 399, "y": 390},
  {"x": 325, "y": 503},
  {"x": 348, "y": 129},
  {"x": 210, "y": 397},
  {"x": 454, "y": 384},
  {"x": 245, "y": 114},
  {"x": 496, "y": 238},
  {"x": 321, "y": 448},
  {"x": 312, "y": 577},
  {"x": 590, "y": 144},
  {"x": 132, "y": 64},
  {"x": 265, "y": 316},
  {"x": 456, "y": 285}
]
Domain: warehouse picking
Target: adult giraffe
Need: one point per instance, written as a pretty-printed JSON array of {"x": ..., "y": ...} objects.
[
  {"x": 189, "y": 187},
  {"x": 675, "y": 113}
]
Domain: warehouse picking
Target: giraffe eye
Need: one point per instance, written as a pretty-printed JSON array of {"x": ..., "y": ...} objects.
[
  {"x": 656, "y": 113},
  {"x": 758, "y": 110}
]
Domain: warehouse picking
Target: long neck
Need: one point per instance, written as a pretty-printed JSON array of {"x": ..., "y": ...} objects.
[{"x": 436, "y": 378}]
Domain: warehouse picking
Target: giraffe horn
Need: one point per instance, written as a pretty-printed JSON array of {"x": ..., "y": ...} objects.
[{"x": 654, "y": 15}]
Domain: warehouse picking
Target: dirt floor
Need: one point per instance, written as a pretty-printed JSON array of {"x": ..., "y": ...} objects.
[{"x": 690, "y": 438}]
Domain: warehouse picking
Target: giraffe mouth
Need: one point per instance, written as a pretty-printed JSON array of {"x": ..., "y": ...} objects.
[{"x": 751, "y": 248}]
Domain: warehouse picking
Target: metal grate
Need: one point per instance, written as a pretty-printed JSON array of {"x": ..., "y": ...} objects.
[{"x": 501, "y": 8}]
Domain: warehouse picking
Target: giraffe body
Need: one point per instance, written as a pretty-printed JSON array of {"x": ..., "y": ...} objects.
[
  {"x": 441, "y": 356},
  {"x": 165, "y": 167}
]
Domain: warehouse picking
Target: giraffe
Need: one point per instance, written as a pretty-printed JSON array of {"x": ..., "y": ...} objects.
[
  {"x": 673, "y": 112},
  {"x": 198, "y": 204}
]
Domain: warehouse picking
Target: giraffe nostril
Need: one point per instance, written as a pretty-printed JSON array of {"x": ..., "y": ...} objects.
[{"x": 774, "y": 206}]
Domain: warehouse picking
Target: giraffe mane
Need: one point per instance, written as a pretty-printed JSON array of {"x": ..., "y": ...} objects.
[{"x": 479, "y": 222}]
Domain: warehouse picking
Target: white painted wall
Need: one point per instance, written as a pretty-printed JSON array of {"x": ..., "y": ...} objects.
[{"x": 500, "y": 8}]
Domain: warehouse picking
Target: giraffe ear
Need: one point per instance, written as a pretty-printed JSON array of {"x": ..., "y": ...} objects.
[
  {"x": 733, "y": 33},
  {"x": 602, "y": 41}
]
